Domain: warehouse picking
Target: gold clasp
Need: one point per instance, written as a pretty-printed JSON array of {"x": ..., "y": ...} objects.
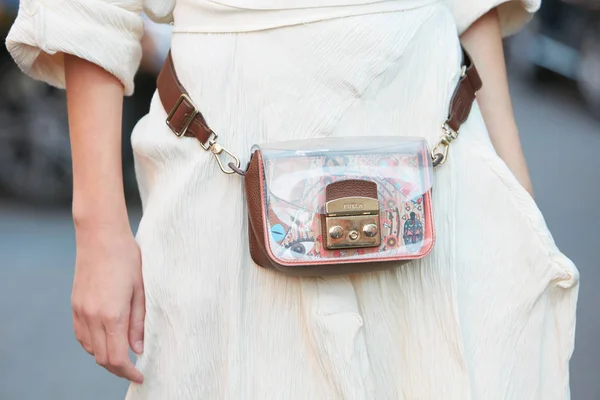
[
  {"x": 211, "y": 145},
  {"x": 352, "y": 222},
  {"x": 439, "y": 153},
  {"x": 217, "y": 151}
]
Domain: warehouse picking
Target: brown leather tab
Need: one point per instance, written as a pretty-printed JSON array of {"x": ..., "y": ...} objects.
[
  {"x": 464, "y": 94},
  {"x": 175, "y": 100},
  {"x": 350, "y": 188},
  {"x": 256, "y": 216}
]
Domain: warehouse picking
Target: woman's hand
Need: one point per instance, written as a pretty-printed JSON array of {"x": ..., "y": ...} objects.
[{"x": 108, "y": 298}]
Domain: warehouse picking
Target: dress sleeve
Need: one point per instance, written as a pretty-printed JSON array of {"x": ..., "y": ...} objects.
[
  {"x": 514, "y": 14},
  {"x": 104, "y": 32}
]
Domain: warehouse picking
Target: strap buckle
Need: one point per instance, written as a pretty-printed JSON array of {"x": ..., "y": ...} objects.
[
  {"x": 212, "y": 138},
  {"x": 189, "y": 119}
]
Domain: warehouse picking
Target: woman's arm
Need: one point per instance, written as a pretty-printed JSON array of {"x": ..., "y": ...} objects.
[
  {"x": 108, "y": 296},
  {"x": 95, "y": 101},
  {"x": 483, "y": 41}
]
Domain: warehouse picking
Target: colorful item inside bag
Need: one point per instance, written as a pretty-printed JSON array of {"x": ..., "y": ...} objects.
[
  {"x": 335, "y": 205},
  {"x": 350, "y": 200},
  {"x": 296, "y": 185}
]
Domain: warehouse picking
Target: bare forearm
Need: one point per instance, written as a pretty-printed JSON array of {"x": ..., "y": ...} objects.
[
  {"x": 108, "y": 289},
  {"x": 483, "y": 40},
  {"x": 95, "y": 100}
]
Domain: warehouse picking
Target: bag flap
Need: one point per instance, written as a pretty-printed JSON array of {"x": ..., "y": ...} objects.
[{"x": 297, "y": 172}]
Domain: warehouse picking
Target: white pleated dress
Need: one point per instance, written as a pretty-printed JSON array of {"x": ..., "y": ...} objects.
[{"x": 488, "y": 315}]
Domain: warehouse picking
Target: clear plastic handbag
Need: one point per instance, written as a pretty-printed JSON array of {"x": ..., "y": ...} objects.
[{"x": 356, "y": 200}]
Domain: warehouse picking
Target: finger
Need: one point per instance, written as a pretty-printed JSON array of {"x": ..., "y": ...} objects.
[
  {"x": 118, "y": 351},
  {"x": 136, "y": 321},
  {"x": 98, "y": 339},
  {"x": 82, "y": 333}
]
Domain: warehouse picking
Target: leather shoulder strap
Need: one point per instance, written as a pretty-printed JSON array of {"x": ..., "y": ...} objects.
[
  {"x": 464, "y": 94},
  {"x": 185, "y": 119}
]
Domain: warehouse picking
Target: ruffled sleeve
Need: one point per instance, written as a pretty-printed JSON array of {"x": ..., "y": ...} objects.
[
  {"x": 104, "y": 32},
  {"x": 514, "y": 14}
]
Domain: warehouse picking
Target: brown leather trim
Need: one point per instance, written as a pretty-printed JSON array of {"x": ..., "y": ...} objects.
[
  {"x": 350, "y": 188},
  {"x": 464, "y": 94},
  {"x": 257, "y": 252},
  {"x": 255, "y": 213},
  {"x": 170, "y": 90}
]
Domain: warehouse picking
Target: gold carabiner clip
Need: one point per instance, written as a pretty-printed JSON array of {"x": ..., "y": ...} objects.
[
  {"x": 439, "y": 152},
  {"x": 217, "y": 151}
]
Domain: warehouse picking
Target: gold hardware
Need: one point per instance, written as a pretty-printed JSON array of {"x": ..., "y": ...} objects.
[
  {"x": 336, "y": 232},
  {"x": 443, "y": 146},
  {"x": 188, "y": 121},
  {"x": 217, "y": 150},
  {"x": 212, "y": 139},
  {"x": 212, "y": 144},
  {"x": 450, "y": 133},
  {"x": 349, "y": 205},
  {"x": 353, "y": 215},
  {"x": 370, "y": 230}
]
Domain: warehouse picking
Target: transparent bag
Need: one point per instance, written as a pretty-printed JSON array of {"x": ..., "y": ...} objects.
[{"x": 337, "y": 201}]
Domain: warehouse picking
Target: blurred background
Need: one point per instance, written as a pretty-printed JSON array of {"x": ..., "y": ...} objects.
[{"x": 554, "y": 70}]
